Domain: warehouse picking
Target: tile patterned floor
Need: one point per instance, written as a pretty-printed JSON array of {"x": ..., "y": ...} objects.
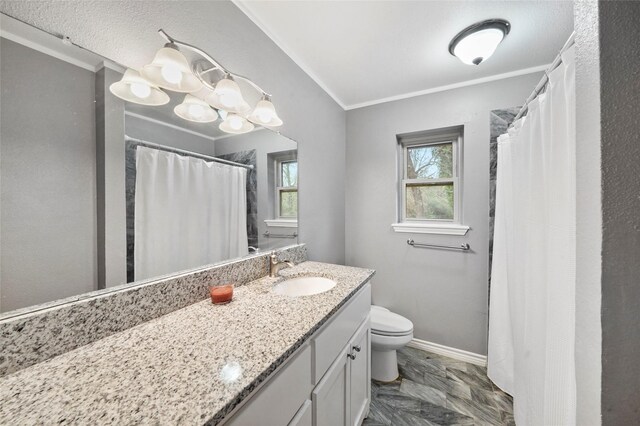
[{"x": 436, "y": 390}]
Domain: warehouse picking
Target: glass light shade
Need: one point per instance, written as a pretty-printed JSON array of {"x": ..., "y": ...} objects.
[
  {"x": 194, "y": 109},
  {"x": 134, "y": 88},
  {"x": 170, "y": 70},
  {"x": 227, "y": 96},
  {"x": 265, "y": 114},
  {"x": 477, "y": 47},
  {"x": 236, "y": 124}
]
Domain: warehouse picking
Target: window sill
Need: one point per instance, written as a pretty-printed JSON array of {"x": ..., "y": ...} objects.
[
  {"x": 282, "y": 223},
  {"x": 430, "y": 228}
]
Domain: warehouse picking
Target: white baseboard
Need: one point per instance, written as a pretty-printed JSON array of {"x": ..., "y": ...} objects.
[{"x": 454, "y": 353}]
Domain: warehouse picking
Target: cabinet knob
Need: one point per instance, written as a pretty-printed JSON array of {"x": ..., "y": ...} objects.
[
  {"x": 356, "y": 348},
  {"x": 351, "y": 356}
]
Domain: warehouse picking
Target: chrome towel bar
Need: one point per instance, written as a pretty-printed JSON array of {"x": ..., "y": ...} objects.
[
  {"x": 270, "y": 235},
  {"x": 462, "y": 247}
]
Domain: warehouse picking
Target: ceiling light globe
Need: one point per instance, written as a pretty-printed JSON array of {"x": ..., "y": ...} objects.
[
  {"x": 140, "y": 90},
  {"x": 478, "y": 42},
  {"x": 228, "y": 92},
  {"x": 171, "y": 70},
  {"x": 195, "y": 110},
  {"x": 235, "y": 122},
  {"x": 171, "y": 73},
  {"x": 134, "y": 88}
]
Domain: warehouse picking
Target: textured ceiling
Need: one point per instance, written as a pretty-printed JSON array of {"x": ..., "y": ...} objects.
[{"x": 364, "y": 52}]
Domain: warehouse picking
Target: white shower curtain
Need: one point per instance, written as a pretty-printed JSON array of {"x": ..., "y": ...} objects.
[
  {"x": 188, "y": 213},
  {"x": 532, "y": 306}
]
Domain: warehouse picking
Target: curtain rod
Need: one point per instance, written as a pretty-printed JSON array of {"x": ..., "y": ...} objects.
[
  {"x": 545, "y": 78},
  {"x": 189, "y": 153}
]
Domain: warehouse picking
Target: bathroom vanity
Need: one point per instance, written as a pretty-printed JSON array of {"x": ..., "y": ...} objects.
[{"x": 263, "y": 359}]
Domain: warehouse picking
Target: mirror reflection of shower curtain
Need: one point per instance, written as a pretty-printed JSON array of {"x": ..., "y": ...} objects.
[
  {"x": 188, "y": 213},
  {"x": 532, "y": 307}
]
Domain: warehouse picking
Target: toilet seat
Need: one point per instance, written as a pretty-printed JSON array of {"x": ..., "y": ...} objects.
[{"x": 386, "y": 323}]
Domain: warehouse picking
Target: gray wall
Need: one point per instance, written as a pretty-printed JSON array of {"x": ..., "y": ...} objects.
[
  {"x": 127, "y": 33},
  {"x": 443, "y": 292},
  {"x": 48, "y": 240},
  {"x": 156, "y": 133},
  {"x": 608, "y": 223},
  {"x": 264, "y": 142},
  {"x": 620, "y": 158}
]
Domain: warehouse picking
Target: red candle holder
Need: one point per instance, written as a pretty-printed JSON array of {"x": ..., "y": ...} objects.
[{"x": 220, "y": 294}]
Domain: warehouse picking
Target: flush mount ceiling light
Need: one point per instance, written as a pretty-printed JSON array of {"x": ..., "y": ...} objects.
[
  {"x": 235, "y": 123},
  {"x": 202, "y": 77},
  {"x": 134, "y": 88},
  {"x": 265, "y": 114},
  {"x": 195, "y": 109},
  {"x": 170, "y": 70},
  {"x": 476, "y": 43}
]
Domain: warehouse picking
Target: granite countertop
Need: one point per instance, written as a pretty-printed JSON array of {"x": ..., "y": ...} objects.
[{"x": 191, "y": 366}]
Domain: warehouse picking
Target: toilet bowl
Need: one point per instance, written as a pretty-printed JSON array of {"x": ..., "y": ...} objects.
[{"x": 389, "y": 332}]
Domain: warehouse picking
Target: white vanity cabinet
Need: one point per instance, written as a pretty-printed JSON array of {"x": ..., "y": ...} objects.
[
  {"x": 342, "y": 397},
  {"x": 327, "y": 382}
]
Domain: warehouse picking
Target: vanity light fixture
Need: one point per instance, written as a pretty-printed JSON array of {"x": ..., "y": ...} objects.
[
  {"x": 202, "y": 77},
  {"x": 134, "y": 88},
  {"x": 195, "y": 109},
  {"x": 237, "y": 124},
  {"x": 170, "y": 70},
  {"x": 265, "y": 114},
  {"x": 476, "y": 43}
]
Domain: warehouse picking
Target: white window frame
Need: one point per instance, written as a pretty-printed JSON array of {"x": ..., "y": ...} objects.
[
  {"x": 280, "y": 189},
  {"x": 453, "y": 136}
]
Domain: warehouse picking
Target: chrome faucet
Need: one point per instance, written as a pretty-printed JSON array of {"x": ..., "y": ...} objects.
[{"x": 274, "y": 265}]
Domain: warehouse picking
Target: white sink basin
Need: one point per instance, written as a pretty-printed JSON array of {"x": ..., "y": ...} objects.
[{"x": 304, "y": 286}]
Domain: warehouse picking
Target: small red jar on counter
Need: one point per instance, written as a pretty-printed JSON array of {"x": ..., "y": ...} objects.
[{"x": 222, "y": 293}]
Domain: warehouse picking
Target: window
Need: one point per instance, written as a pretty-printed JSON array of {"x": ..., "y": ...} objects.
[
  {"x": 287, "y": 189},
  {"x": 429, "y": 193}
]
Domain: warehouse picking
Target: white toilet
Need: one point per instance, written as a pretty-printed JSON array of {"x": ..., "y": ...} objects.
[{"x": 389, "y": 332}]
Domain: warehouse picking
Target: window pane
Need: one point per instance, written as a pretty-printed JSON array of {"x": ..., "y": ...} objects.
[
  {"x": 430, "y": 201},
  {"x": 288, "y": 203},
  {"x": 430, "y": 162},
  {"x": 289, "y": 173}
]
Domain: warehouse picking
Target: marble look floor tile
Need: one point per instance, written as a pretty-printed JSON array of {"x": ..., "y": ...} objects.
[
  {"x": 407, "y": 419},
  {"x": 507, "y": 419},
  {"x": 503, "y": 401},
  {"x": 380, "y": 412},
  {"x": 451, "y": 387},
  {"x": 436, "y": 390},
  {"x": 470, "y": 378},
  {"x": 399, "y": 400},
  {"x": 481, "y": 413},
  {"x": 413, "y": 373},
  {"x": 369, "y": 422},
  {"x": 423, "y": 392},
  {"x": 484, "y": 397},
  {"x": 430, "y": 366},
  {"x": 443, "y": 416}
]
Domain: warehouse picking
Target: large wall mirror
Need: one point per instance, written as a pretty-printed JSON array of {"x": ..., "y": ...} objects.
[{"x": 97, "y": 192}]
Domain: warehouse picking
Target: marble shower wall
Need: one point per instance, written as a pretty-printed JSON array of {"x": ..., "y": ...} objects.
[
  {"x": 501, "y": 119},
  {"x": 35, "y": 334},
  {"x": 243, "y": 157}
]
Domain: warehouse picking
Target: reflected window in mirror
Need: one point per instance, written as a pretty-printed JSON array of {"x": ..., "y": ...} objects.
[{"x": 287, "y": 190}]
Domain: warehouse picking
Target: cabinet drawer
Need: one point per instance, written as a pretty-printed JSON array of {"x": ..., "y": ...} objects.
[
  {"x": 277, "y": 402},
  {"x": 333, "y": 337}
]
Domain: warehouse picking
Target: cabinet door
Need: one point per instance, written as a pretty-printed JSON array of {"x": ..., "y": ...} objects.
[
  {"x": 331, "y": 396},
  {"x": 360, "y": 374}
]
